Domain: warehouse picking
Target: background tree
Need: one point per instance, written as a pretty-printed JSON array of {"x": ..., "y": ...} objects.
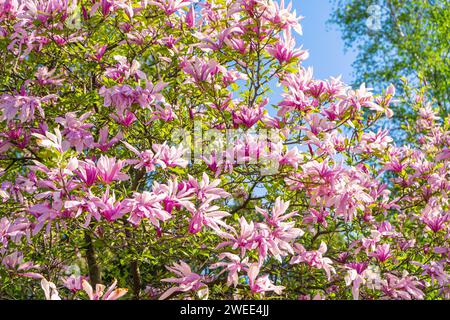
[{"x": 398, "y": 41}]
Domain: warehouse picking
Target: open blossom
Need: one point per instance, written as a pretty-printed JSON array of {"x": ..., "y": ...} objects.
[
  {"x": 284, "y": 51},
  {"x": 50, "y": 291},
  {"x": 210, "y": 43},
  {"x": 104, "y": 142},
  {"x": 108, "y": 207},
  {"x": 436, "y": 271},
  {"x": 171, "y": 156},
  {"x": 248, "y": 116},
  {"x": 175, "y": 195},
  {"x": 314, "y": 258},
  {"x": 75, "y": 131},
  {"x": 275, "y": 235},
  {"x": 200, "y": 70},
  {"x": 356, "y": 277},
  {"x": 87, "y": 172},
  {"x": 207, "y": 190},
  {"x": 317, "y": 217},
  {"x": 186, "y": 281},
  {"x": 110, "y": 6},
  {"x": 382, "y": 252},
  {"x": 209, "y": 216},
  {"x": 278, "y": 216},
  {"x": 52, "y": 140},
  {"x": 23, "y": 105},
  {"x": 147, "y": 205},
  {"x": 435, "y": 218},
  {"x": 74, "y": 283},
  {"x": 403, "y": 287},
  {"x": 14, "y": 261},
  {"x": 170, "y": 6},
  {"x": 147, "y": 159},
  {"x": 109, "y": 169},
  {"x": 243, "y": 241},
  {"x": 46, "y": 77},
  {"x": 97, "y": 294},
  {"x": 374, "y": 142},
  {"x": 11, "y": 230},
  {"x": 281, "y": 16},
  {"x": 233, "y": 266},
  {"x": 123, "y": 70},
  {"x": 261, "y": 284}
]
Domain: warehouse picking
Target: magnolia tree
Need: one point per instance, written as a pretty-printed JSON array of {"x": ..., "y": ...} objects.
[{"x": 139, "y": 150}]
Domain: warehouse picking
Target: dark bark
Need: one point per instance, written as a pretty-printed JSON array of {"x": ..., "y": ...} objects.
[{"x": 94, "y": 268}]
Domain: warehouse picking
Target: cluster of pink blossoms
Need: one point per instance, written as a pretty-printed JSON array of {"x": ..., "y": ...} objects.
[{"x": 311, "y": 199}]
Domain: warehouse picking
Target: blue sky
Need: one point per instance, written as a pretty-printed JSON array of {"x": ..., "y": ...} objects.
[{"x": 324, "y": 43}]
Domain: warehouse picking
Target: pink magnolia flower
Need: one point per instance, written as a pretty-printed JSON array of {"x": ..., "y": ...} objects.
[
  {"x": 25, "y": 105},
  {"x": 87, "y": 172},
  {"x": 76, "y": 131},
  {"x": 233, "y": 266},
  {"x": 317, "y": 217},
  {"x": 281, "y": 16},
  {"x": 276, "y": 234},
  {"x": 284, "y": 50},
  {"x": 11, "y": 230},
  {"x": 104, "y": 143},
  {"x": 374, "y": 142},
  {"x": 170, "y": 6},
  {"x": 147, "y": 205},
  {"x": 50, "y": 140},
  {"x": 209, "y": 216},
  {"x": 382, "y": 252},
  {"x": 50, "y": 291},
  {"x": 45, "y": 77},
  {"x": 126, "y": 119},
  {"x": 151, "y": 95},
  {"x": 74, "y": 283},
  {"x": 199, "y": 69},
  {"x": 314, "y": 258},
  {"x": 222, "y": 36},
  {"x": 427, "y": 117},
  {"x": 147, "y": 158},
  {"x": 356, "y": 276},
  {"x": 10, "y": 8},
  {"x": 246, "y": 240},
  {"x": 435, "y": 218},
  {"x": 109, "y": 169},
  {"x": 278, "y": 216},
  {"x": 121, "y": 97},
  {"x": 110, "y": 6},
  {"x": 261, "y": 284},
  {"x": 371, "y": 242},
  {"x": 248, "y": 116},
  {"x": 110, "y": 294},
  {"x": 14, "y": 261},
  {"x": 171, "y": 156},
  {"x": 186, "y": 281},
  {"x": 405, "y": 287},
  {"x": 290, "y": 157},
  {"x": 108, "y": 207},
  {"x": 123, "y": 70},
  {"x": 176, "y": 195},
  {"x": 162, "y": 111},
  {"x": 362, "y": 97},
  {"x": 205, "y": 190},
  {"x": 436, "y": 271}
]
